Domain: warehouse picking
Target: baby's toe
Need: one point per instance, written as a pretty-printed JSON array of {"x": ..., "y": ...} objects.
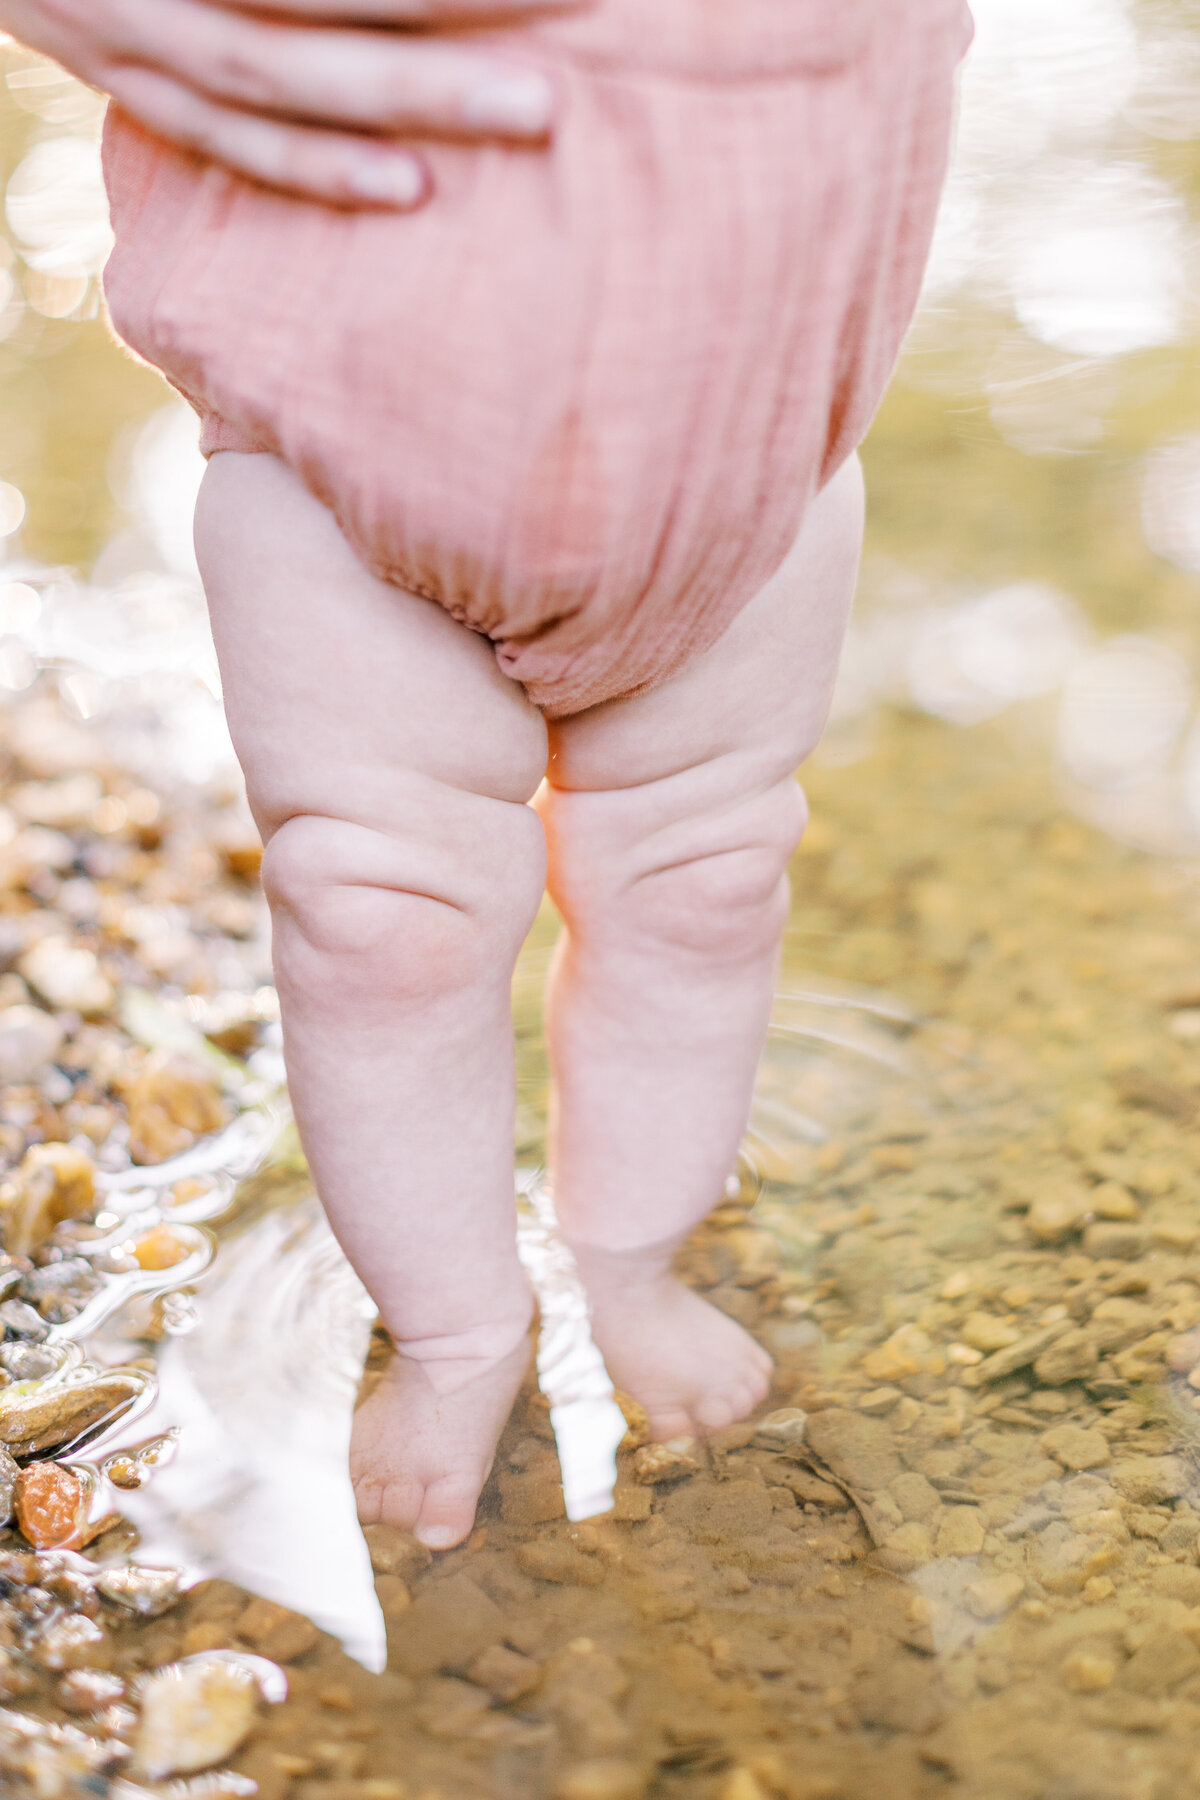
[
  {"x": 382, "y": 1501},
  {"x": 669, "y": 1422},
  {"x": 716, "y": 1411},
  {"x": 447, "y": 1512}
]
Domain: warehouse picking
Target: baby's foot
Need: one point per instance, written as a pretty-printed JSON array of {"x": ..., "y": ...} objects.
[
  {"x": 424, "y": 1438},
  {"x": 690, "y": 1366}
]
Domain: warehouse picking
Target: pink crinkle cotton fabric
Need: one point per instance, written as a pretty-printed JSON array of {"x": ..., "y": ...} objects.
[{"x": 583, "y": 397}]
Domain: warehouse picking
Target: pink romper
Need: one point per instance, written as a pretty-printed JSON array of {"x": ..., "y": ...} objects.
[{"x": 583, "y": 397}]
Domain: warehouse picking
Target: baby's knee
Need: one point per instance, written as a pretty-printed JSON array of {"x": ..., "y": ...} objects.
[
  {"x": 403, "y": 917},
  {"x": 714, "y": 887}
]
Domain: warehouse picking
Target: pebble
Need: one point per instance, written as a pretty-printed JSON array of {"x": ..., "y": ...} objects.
[
  {"x": 779, "y": 1429},
  {"x": 173, "y": 1100},
  {"x": 1057, "y": 1212},
  {"x": 909, "y": 1547},
  {"x": 160, "y": 1248},
  {"x": 10, "y": 1472},
  {"x": 859, "y": 1450},
  {"x": 655, "y": 1463},
  {"x": 1123, "y": 1243},
  {"x": 916, "y": 1497},
  {"x": 29, "y": 1039},
  {"x": 67, "y": 976},
  {"x": 1149, "y": 1480},
  {"x": 983, "y": 1331},
  {"x": 20, "y": 1320},
  {"x": 53, "y": 1417},
  {"x": 604, "y": 1778},
  {"x": 50, "y": 1505},
  {"x": 1165, "y": 1660},
  {"x": 53, "y": 1182},
  {"x": 193, "y": 1714},
  {"x": 1019, "y": 1356},
  {"x": 993, "y": 1595},
  {"x": 876, "y": 1402},
  {"x": 1085, "y": 1673},
  {"x": 1112, "y": 1201},
  {"x": 89, "y": 1690},
  {"x": 146, "y": 1591},
  {"x": 62, "y": 1289},
  {"x": 909, "y": 1351},
  {"x": 1076, "y": 1447},
  {"x": 961, "y": 1532},
  {"x": 73, "y": 1642},
  {"x": 505, "y": 1673},
  {"x": 276, "y": 1631},
  {"x": 561, "y": 1563},
  {"x": 1071, "y": 1357}
]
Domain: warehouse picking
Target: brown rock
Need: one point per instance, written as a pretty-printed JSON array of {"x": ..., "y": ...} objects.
[
  {"x": 1076, "y": 1448},
  {"x": 173, "y": 1100},
  {"x": 909, "y": 1351},
  {"x": 1086, "y": 1673},
  {"x": 631, "y": 1505},
  {"x": 1149, "y": 1480},
  {"x": 1057, "y": 1211},
  {"x": 277, "y": 1632},
  {"x": 531, "y": 1496},
  {"x": 984, "y": 1331},
  {"x": 961, "y": 1532},
  {"x": 393, "y": 1596},
  {"x": 916, "y": 1497},
  {"x": 993, "y": 1595},
  {"x": 602, "y": 1778},
  {"x": 1071, "y": 1357},
  {"x": 810, "y": 1490},
  {"x": 1178, "y": 1581},
  {"x": 54, "y": 1182},
  {"x": 89, "y": 1690},
  {"x": 1166, "y": 1659},
  {"x": 859, "y": 1450},
  {"x": 73, "y": 1642},
  {"x": 505, "y": 1673},
  {"x": 449, "y": 1624},
  {"x": 50, "y": 1506},
  {"x": 1021, "y": 1354},
  {"x": 561, "y": 1563},
  {"x": 656, "y": 1463},
  {"x": 160, "y": 1248},
  {"x": 1122, "y": 1243},
  {"x": 395, "y": 1552}
]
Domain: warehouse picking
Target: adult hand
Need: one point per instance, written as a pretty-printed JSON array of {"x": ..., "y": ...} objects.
[{"x": 307, "y": 95}]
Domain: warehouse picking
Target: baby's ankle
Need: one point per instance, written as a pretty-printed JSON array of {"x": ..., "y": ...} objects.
[
  {"x": 483, "y": 1341},
  {"x": 634, "y": 1266}
]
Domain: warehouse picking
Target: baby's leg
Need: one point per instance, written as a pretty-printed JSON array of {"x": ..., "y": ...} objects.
[
  {"x": 670, "y": 819},
  {"x": 388, "y": 763}
]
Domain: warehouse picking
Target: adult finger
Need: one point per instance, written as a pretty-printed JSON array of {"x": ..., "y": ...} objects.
[
  {"x": 337, "y": 168},
  {"x": 369, "y": 80},
  {"x": 413, "y": 14}
]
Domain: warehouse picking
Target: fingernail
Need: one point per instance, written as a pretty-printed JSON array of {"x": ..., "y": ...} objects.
[
  {"x": 520, "y": 105},
  {"x": 391, "y": 180},
  {"x": 436, "y": 1537}
]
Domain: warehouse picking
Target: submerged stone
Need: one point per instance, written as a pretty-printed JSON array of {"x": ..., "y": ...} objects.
[{"x": 194, "y": 1714}]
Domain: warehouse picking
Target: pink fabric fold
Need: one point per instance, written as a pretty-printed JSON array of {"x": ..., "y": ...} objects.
[{"x": 583, "y": 398}]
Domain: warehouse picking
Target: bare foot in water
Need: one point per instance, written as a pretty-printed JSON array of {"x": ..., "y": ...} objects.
[
  {"x": 425, "y": 1437},
  {"x": 690, "y": 1366}
]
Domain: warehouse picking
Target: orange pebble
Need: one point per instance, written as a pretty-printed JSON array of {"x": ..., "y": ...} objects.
[
  {"x": 160, "y": 1249},
  {"x": 50, "y": 1505}
]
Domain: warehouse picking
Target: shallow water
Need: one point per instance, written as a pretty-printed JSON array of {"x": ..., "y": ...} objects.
[{"x": 968, "y": 1219}]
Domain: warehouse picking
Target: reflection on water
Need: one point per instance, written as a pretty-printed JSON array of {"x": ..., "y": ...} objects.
[{"x": 967, "y": 1224}]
